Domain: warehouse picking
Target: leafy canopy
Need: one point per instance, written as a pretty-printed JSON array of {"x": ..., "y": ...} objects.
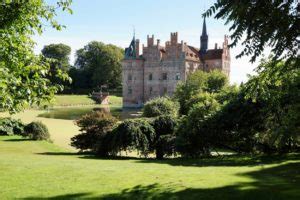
[
  {"x": 101, "y": 64},
  {"x": 23, "y": 75},
  {"x": 273, "y": 23}
]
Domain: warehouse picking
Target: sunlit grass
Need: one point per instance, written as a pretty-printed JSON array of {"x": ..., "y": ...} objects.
[{"x": 35, "y": 170}]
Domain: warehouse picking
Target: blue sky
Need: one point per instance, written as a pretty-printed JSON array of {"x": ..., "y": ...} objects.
[{"x": 112, "y": 21}]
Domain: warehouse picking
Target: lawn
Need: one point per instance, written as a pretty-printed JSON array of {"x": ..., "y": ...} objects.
[
  {"x": 37, "y": 170},
  {"x": 71, "y": 100}
]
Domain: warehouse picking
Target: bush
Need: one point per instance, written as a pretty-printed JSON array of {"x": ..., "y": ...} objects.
[
  {"x": 195, "y": 134},
  {"x": 160, "y": 106},
  {"x": 164, "y": 143},
  {"x": 9, "y": 126},
  {"x": 36, "y": 131},
  {"x": 94, "y": 128},
  {"x": 133, "y": 134}
]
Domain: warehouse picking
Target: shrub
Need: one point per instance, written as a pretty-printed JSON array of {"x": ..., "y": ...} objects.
[
  {"x": 160, "y": 106},
  {"x": 133, "y": 134},
  {"x": 94, "y": 127},
  {"x": 164, "y": 143},
  {"x": 195, "y": 134},
  {"x": 36, "y": 131},
  {"x": 9, "y": 126}
]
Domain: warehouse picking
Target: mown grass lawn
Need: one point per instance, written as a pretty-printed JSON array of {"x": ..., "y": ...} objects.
[
  {"x": 71, "y": 100},
  {"x": 37, "y": 170}
]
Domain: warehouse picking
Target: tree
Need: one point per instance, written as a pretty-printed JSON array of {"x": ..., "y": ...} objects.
[
  {"x": 199, "y": 82},
  {"x": 133, "y": 134},
  {"x": 23, "y": 76},
  {"x": 95, "y": 128},
  {"x": 195, "y": 135},
  {"x": 164, "y": 141},
  {"x": 273, "y": 23},
  {"x": 102, "y": 64},
  {"x": 58, "y": 55},
  {"x": 160, "y": 106}
]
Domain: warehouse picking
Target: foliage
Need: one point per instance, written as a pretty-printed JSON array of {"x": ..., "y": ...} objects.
[
  {"x": 195, "y": 134},
  {"x": 264, "y": 115},
  {"x": 160, "y": 106},
  {"x": 98, "y": 64},
  {"x": 278, "y": 85},
  {"x": 164, "y": 141},
  {"x": 36, "y": 131},
  {"x": 23, "y": 76},
  {"x": 276, "y": 25},
  {"x": 60, "y": 53},
  {"x": 9, "y": 126},
  {"x": 197, "y": 83},
  {"x": 58, "y": 57},
  {"x": 133, "y": 134},
  {"x": 94, "y": 129}
]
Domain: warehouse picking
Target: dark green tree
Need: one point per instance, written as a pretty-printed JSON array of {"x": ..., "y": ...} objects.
[
  {"x": 102, "y": 64},
  {"x": 273, "y": 23},
  {"x": 58, "y": 55}
]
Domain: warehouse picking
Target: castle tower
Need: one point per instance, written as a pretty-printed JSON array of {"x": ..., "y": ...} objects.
[{"x": 204, "y": 39}]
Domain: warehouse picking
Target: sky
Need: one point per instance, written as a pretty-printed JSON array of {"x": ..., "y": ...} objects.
[{"x": 112, "y": 22}]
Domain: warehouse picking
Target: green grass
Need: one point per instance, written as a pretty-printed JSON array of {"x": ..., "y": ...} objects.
[
  {"x": 71, "y": 100},
  {"x": 73, "y": 113},
  {"x": 37, "y": 170}
]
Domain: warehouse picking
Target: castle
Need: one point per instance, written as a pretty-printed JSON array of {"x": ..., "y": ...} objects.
[{"x": 157, "y": 71}]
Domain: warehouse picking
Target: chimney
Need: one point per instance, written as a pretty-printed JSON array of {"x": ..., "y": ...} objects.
[
  {"x": 158, "y": 43},
  {"x": 216, "y": 46},
  {"x": 137, "y": 46},
  {"x": 150, "y": 40}
]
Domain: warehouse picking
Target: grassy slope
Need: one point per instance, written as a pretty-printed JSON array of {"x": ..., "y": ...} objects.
[{"x": 38, "y": 170}]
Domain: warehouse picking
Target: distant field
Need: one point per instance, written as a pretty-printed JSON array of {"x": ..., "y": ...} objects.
[
  {"x": 71, "y": 100},
  {"x": 40, "y": 170}
]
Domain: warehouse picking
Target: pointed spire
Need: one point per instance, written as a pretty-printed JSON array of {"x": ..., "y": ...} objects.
[
  {"x": 204, "y": 32},
  {"x": 204, "y": 39}
]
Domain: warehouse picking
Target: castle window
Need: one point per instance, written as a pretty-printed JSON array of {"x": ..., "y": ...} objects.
[
  {"x": 150, "y": 90},
  {"x": 164, "y": 76},
  {"x": 129, "y": 77},
  {"x": 177, "y": 77},
  {"x": 129, "y": 90},
  {"x": 150, "y": 77}
]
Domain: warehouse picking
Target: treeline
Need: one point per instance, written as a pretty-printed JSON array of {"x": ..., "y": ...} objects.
[
  {"x": 207, "y": 114},
  {"x": 96, "y": 64}
]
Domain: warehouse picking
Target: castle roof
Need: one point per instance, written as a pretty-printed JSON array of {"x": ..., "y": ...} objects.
[{"x": 210, "y": 54}]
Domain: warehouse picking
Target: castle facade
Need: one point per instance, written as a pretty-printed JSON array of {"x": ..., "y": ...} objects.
[{"x": 158, "y": 69}]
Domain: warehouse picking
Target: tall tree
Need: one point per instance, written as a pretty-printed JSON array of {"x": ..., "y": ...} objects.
[
  {"x": 273, "y": 23},
  {"x": 102, "y": 63},
  {"x": 59, "y": 52},
  {"x": 23, "y": 75},
  {"x": 58, "y": 55}
]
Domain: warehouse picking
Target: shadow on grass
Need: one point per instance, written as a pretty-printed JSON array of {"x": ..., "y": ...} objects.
[
  {"x": 280, "y": 182},
  {"x": 227, "y": 160},
  {"x": 17, "y": 140}
]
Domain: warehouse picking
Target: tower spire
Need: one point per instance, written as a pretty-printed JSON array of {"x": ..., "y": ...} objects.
[{"x": 204, "y": 38}]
